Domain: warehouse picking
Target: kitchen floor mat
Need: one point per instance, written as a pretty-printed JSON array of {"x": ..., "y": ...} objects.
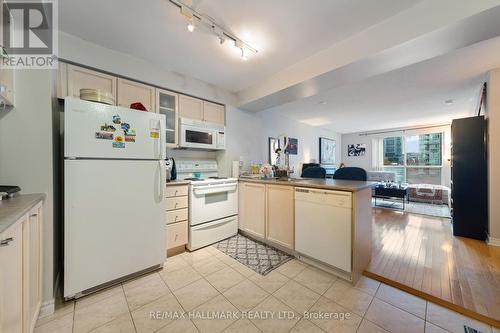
[{"x": 255, "y": 255}]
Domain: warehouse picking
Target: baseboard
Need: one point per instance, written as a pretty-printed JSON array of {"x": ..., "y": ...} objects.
[
  {"x": 493, "y": 241},
  {"x": 47, "y": 308}
]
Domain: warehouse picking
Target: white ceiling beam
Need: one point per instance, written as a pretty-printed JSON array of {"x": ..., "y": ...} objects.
[{"x": 397, "y": 42}]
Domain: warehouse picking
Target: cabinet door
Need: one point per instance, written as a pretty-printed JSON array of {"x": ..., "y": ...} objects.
[
  {"x": 132, "y": 92},
  {"x": 7, "y": 84},
  {"x": 32, "y": 275},
  {"x": 252, "y": 217},
  {"x": 11, "y": 281},
  {"x": 6, "y": 75},
  {"x": 214, "y": 113},
  {"x": 190, "y": 107},
  {"x": 62, "y": 80},
  {"x": 167, "y": 104},
  {"x": 280, "y": 215},
  {"x": 82, "y": 78},
  {"x": 177, "y": 234}
]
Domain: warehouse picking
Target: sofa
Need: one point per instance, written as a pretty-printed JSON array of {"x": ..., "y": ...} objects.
[
  {"x": 381, "y": 176},
  {"x": 427, "y": 193}
]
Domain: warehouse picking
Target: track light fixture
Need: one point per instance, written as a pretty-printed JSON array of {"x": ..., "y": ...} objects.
[
  {"x": 190, "y": 26},
  {"x": 195, "y": 17}
]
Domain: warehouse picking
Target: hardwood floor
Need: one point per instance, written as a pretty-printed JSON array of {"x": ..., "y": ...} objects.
[{"x": 420, "y": 255}]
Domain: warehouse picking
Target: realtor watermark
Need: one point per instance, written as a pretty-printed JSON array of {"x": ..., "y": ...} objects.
[
  {"x": 29, "y": 34},
  {"x": 252, "y": 315}
]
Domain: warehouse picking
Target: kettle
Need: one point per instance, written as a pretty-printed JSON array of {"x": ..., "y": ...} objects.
[{"x": 171, "y": 170}]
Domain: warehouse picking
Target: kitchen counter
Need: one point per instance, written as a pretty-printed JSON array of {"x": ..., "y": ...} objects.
[
  {"x": 177, "y": 182},
  {"x": 11, "y": 210},
  {"x": 327, "y": 184},
  {"x": 329, "y": 227}
]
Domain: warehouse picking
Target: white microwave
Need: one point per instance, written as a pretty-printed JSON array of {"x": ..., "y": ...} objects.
[{"x": 201, "y": 135}]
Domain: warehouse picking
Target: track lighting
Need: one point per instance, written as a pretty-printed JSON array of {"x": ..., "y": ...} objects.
[
  {"x": 243, "y": 55},
  {"x": 202, "y": 20},
  {"x": 191, "y": 26}
]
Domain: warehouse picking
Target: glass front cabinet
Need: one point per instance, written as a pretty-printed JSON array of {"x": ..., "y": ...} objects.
[{"x": 168, "y": 105}]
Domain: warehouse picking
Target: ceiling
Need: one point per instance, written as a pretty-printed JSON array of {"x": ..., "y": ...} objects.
[
  {"x": 410, "y": 96},
  {"x": 284, "y": 31}
]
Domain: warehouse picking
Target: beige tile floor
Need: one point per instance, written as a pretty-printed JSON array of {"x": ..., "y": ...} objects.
[{"x": 208, "y": 281}]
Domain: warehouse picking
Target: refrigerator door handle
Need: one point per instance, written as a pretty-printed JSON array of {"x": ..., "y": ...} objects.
[{"x": 162, "y": 183}]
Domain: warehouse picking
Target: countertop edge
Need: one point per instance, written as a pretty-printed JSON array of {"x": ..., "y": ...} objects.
[
  {"x": 16, "y": 207},
  {"x": 177, "y": 182},
  {"x": 304, "y": 183}
]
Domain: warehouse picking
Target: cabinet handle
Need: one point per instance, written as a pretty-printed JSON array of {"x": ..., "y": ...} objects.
[
  {"x": 6, "y": 241},
  {"x": 176, "y": 191},
  {"x": 34, "y": 215}
]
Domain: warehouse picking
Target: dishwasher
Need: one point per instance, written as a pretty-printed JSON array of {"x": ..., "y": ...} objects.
[{"x": 323, "y": 226}]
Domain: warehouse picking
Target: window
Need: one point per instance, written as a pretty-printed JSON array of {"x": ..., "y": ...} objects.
[
  {"x": 424, "y": 149},
  {"x": 415, "y": 159},
  {"x": 393, "y": 151}
]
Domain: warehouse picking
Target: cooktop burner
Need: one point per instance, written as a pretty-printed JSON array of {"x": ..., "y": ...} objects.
[{"x": 194, "y": 179}]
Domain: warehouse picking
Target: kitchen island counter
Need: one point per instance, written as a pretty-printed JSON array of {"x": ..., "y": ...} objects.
[
  {"x": 327, "y": 184},
  {"x": 323, "y": 222}
]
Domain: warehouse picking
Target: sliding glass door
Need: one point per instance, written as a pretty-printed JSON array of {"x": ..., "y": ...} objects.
[{"x": 415, "y": 159}]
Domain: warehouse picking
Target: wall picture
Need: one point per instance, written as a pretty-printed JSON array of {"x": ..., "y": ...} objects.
[
  {"x": 327, "y": 150},
  {"x": 358, "y": 149},
  {"x": 293, "y": 146}
]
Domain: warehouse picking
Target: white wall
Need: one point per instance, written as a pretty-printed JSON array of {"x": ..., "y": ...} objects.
[
  {"x": 26, "y": 153},
  {"x": 83, "y": 52},
  {"x": 276, "y": 123},
  {"x": 247, "y": 132},
  {"x": 493, "y": 115},
  {"x": 365, "y": 162}
]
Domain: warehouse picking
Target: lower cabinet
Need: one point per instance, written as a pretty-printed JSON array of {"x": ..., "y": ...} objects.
[
  {"x": 176, "y": 217},
  {"x": 280, "y": 215},
  {"x": 32, "y": 241},
  {"x": 11, "y": 280},
  {"x": 252, "y": 208},
  {"x": 267, "y": 211},
  {"x": 177, "y": 234},
  {"x": 21, "y": 273}
]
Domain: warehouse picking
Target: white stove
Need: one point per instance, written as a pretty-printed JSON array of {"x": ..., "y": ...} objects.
[{"x": 213, "y": 202}]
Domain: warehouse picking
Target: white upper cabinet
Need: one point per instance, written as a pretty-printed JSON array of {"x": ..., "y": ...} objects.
[
  {"x": 132, "y": 92},
  {"x": 6, "y": 86},
  {"x": 194, "y": 108},
  {"x": 167, "y": 104},
  {"x": 62, "y": 80},
  {"x": 190, "y": 107},
  {"x": 6, "y": 75},
  {"x": 214, "y": 113},
  {"x": 82, "y": 78}
]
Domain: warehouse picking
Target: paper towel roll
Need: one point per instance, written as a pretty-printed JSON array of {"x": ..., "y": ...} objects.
[{"x": 236, "y": 169}]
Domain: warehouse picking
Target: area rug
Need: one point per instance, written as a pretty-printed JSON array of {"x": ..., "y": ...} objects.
[
  {"x": 257, "y": 256},
  {"x": 415, "y": 207}
]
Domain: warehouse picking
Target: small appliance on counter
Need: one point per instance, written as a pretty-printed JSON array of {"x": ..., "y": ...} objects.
[
  {"x": 171, "y": 169},
  {"x": 8, "y": 191}
]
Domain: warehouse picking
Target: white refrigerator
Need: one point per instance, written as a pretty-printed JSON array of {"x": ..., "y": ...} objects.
[{"x": 114, "y": 208}]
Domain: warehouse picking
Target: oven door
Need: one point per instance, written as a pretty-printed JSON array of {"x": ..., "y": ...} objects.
[
  {"x": 196, "y": 137},
  {"x": 209, "y": 202}
]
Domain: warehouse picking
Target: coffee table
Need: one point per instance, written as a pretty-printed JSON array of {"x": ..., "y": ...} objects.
[{"x": 389, "y": 192}]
